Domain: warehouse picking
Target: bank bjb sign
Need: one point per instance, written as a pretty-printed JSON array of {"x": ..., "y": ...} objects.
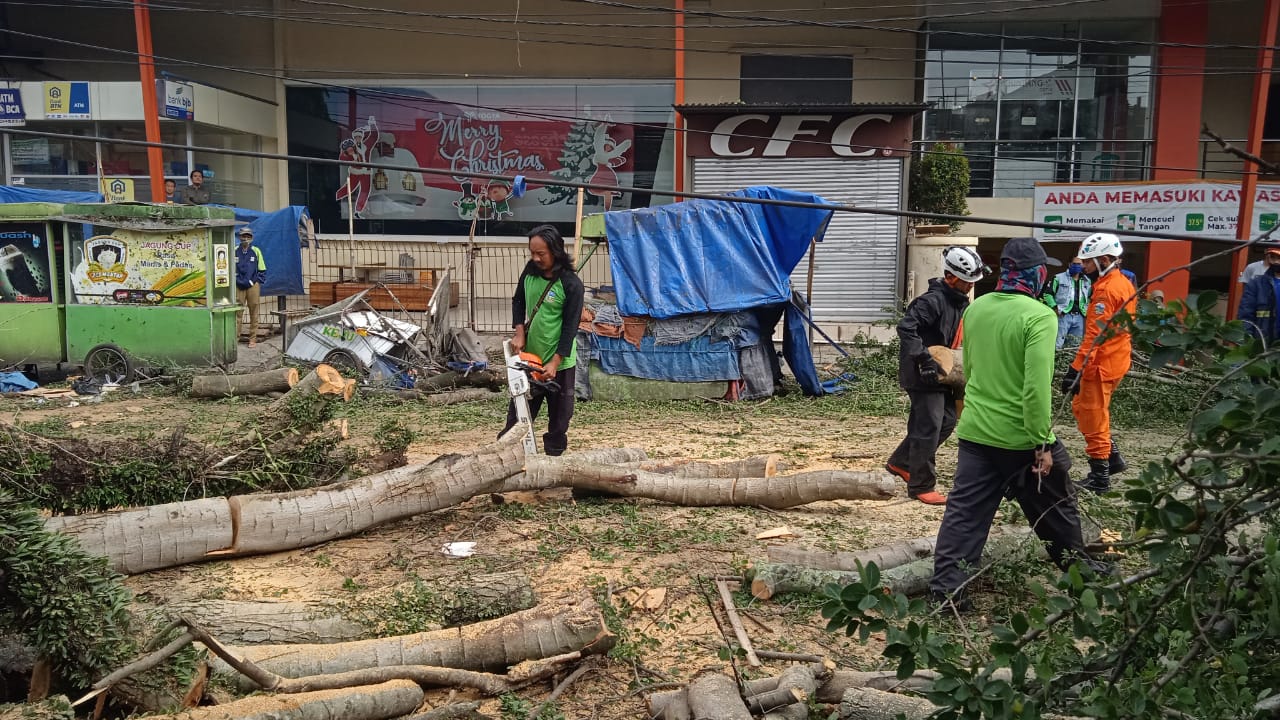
[
  {"x": 177, "y": 100},
  {"x": 762, "y": 135},
  {"x": 1196, "y": 208}
]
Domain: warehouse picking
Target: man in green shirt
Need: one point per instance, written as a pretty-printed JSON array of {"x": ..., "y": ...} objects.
[
  {"x": 546, "y": 309},
  {"x": 1007, "y": 446}
]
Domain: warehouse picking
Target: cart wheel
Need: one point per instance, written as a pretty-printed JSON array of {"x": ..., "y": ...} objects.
[
  {"x": 345, "y": 362},
  {"x": 107, "y": 363}
]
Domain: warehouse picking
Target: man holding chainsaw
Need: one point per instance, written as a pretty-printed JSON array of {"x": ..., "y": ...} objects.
[{"x": 546, "y": 309}]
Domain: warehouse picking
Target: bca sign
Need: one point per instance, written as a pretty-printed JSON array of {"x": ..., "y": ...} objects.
[{"x": 747, "y": 135}]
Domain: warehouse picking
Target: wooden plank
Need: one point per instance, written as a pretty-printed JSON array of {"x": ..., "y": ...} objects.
[{"x": 743, "y": 640}]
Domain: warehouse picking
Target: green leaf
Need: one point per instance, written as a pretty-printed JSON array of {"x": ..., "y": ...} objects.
[
  {"x": 1088, "y": 600},
  {"x": 871, "y": 575}
]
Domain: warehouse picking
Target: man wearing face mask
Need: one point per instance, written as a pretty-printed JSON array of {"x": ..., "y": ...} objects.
[
  {"x": 1258, "y": 304},
  {"x": 1101, "y": 363},
  {"x": 1068, "y": 295},
  {"x": 931, "y": 319}
]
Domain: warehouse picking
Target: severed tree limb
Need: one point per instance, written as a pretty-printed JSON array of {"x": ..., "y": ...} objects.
[
  {"x": 754, "y": 466},
  {"x": 452, "y": 711},
  {"x": 778, "y": 492},
  {"x": 1266, "y": 166},
  {"x": 669, "y": 705},
  {"x": 744, "y": 641},
  {"x": 384, "y": 701},
  {"x": 796, "y": 685},
  {"x": 520, "y": 482},
  {"x": 140, "y": 665},
  {"x": 260, "y": 383},
  {"x": 885, "y": 556},
  {"x": 559, "y": 689},
  {"x": 714, "y": 696}
]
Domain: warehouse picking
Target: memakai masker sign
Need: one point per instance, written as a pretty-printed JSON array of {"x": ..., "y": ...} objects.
[{"x": 1197, "y": 208}]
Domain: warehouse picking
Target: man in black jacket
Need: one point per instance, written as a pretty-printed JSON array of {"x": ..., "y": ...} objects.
[{"x": 931, "y": 319}]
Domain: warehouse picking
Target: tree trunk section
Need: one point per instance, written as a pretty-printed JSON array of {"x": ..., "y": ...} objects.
[
  {"x": 521, "y": 482},
  {"x": 831, "y": 691},
  {"x": 779, "y": 492},
  {"x": 670, "y": 705},
  {"x": 306, "y": 399},
  {"x": 371, "y": 702},
  {"x": 260, "y": 383},
  {"x": 282, "y": 521},
  {"x": 259, "y": 623},
  {"x": 489, "y": 646},
  {"x": 885, "y": 556},
  {"x": 952, "y": 371},
  {"x": 755, "y": 466},
  {"x": 160, "y": 536},
  {"x": 795, "y": 686},
  {"x": 484, "y": 597},
  {"x": 868, "y": 704},
  {"x": 451, "y": 397},
  {"x": 453, "y": 379},
  {"x": 714, "y": 696}
]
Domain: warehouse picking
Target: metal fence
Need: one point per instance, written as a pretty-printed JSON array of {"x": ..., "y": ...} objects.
[{"x": 408, "y": 267}]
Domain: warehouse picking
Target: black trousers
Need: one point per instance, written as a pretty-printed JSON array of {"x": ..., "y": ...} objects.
[
  {"x": 559, "y": 411},
  {"x": 932, "y": 419},
  {"x": 985, "y": 475}
]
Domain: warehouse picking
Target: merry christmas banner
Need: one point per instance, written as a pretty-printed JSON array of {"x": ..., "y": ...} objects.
[{"x": 589, "y": 151}]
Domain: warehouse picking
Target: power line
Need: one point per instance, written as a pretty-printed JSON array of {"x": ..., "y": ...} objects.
[{"x": 548, "y": 180}]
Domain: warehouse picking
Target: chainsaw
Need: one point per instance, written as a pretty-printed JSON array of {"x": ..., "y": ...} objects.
[{"x": 524, "y": 373}]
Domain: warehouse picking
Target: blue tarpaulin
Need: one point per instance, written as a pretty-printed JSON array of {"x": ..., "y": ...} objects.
[
  {"x": 276, "y": 235},
  {"x": 697, "y": 360},
  {"x": 19, "y": 194},
  {"x": 710, "y": 255}
]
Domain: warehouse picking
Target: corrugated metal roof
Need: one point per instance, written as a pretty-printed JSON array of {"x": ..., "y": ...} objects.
[{"x": 740, "y": 107}]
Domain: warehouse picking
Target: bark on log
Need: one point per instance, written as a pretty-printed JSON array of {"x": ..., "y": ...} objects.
[
  {"x": 755, "y": 466},
  {"x": 952, "y": 371},
  {"x": 453, "y": 711},
  {"x": 714, "y": 696},
  {"x": 371, "y": 702},
  {"x": 160, "y": 536},
  {"x": 452, "y": 397},
  {"x": 259, "y": 383},
  {"x": 453, "y": 379},
  {"x": 868, "y": 704},
  {"x": 520, "y": 482},
  {"x": 256, "y": 623},
  {"x": 489, "y": 646},
  {"x": 484, "y": 597},
  {"x": 885, "y": 556},
  {"x": 779, "y": 492},
  {"x": 795, "y": 686},
  {"x": 669, "y": 705},
  {"x": 282, "y": 521},
  {"x": 306, "y": 398},
  {"x": 833, "y": 689}
]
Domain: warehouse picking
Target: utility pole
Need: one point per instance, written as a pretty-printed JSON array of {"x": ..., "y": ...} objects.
[{"x": 150, "y": 108}]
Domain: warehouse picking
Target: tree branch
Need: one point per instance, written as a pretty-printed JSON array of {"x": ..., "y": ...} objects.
[{"x": 1267, "y": 167}]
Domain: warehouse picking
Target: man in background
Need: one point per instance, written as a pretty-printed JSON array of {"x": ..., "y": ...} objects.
[
  {"x": 195, "y": 193},
  {"x": 251, "y": 271}
]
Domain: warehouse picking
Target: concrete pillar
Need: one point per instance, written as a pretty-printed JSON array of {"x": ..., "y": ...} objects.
[{"x": 924, "y": 259}]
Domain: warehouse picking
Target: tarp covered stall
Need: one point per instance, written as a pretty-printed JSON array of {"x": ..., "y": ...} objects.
[{"x": 276, "y": 235}]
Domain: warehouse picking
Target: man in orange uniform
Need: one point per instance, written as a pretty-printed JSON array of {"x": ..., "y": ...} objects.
[{"x": 1096, "y": 371}]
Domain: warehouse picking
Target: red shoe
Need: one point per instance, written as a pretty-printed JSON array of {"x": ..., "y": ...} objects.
[
  {"x": 895, "y": 470},
  {"x": 931, "y": 498}
]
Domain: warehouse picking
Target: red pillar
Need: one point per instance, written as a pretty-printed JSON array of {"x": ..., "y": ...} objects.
[
  {"x": 679, "y": 119},
  {"x": 1253, "y": 145},
  {"x": 150, "y": 106},
  {"x": 1179, "y": 95}
]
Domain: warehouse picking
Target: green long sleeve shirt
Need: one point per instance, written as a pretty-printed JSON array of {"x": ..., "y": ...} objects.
[{"x": 1008, "y": 363}]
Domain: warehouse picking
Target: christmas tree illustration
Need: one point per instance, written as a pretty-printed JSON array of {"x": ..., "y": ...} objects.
[{"x": 575, "y": 163}]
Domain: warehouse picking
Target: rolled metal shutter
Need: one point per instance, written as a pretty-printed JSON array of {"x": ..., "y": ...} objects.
[{"x": 857, "y": 265}]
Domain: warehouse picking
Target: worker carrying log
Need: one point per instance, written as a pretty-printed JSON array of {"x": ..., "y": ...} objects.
[
  {"x": 1103, "y": 359},
  {"x": 931, "y": 320},
  {"x": 545, "y": 308},
  {"x": 1007, "y": 445}
]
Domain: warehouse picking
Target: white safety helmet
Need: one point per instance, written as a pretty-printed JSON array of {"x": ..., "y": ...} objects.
[
  {"x": 1099, "y": 244},
  {"x": 964, "y": 263}
]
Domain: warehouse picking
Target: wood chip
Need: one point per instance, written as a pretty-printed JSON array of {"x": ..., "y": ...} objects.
[
  {"x": 778, "y": 532},
  {"x": 644, "y": 598},
  {"x": 76, "y": 425}
]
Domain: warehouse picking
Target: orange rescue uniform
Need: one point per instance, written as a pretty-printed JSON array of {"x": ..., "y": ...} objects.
[{"x": 1107, "y": 363}]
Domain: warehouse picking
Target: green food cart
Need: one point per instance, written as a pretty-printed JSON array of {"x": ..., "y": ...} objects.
[{"x": 119, "y": 287}]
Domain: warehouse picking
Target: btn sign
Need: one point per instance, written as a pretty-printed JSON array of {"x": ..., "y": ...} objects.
[{"x": 116, "y": 190}]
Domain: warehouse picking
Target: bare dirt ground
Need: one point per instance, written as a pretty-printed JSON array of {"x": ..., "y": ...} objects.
[{"x": 569, "y": 547}]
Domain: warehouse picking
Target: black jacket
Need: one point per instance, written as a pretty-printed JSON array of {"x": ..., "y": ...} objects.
[{"x": 931, "y": 319}]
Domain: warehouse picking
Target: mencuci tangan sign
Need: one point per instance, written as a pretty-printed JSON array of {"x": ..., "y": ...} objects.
[{"x": 1198, "y": 208}]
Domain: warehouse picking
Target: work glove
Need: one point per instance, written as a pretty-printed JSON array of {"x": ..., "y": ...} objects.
[
  {"x": 1071, "y": 382},
  {"x": 929, "y": 369}
]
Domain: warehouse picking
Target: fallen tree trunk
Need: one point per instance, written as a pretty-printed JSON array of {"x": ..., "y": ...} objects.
[
  {"x": 371, "y": 702},
  {"x": 521, "y": 482},
  {"x": 714, "y": 696},
  {"x": 452, "y": 397},
  {"x": 669, "y": 705},
  {"x": 283, "y": 521},
  {"x": 489, "y": 646},
  {"x": 868, "y": 704},
  {"x": 777, "y": 492},
  {"x": 453, "y": 379},
  {"x": 484, "y": 597},
  {"x": 885, "y": 556},
  {"x": 150, "y": 538},
  {"x": 256, "y": 623},
  {"x": 259, "y": 383},
  {"x": 833, "y": 689},
  {"x": 755, "y": 466}
]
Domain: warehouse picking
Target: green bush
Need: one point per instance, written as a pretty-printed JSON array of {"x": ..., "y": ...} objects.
[{"x": 940, "y": 182}]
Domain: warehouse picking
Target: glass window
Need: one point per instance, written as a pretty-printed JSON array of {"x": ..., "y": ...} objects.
[
  {"x": 54, "y": 156},
  {"x": 796, "y": 79},
  {"x": 120, "y": 159}
]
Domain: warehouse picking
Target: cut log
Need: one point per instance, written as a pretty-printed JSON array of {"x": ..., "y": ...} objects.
[
  {"x": 952, "y": 370},
  {"x": 259, "y": 383},
  {"x": 714, "y": 696},
  {"x": 282, "y": 521},
  {"x": 833, "y": 689},
  {"x": 868, "y": 704},
  {"x": 160, "y": 536},
  {"x": 744, "y": 641},
  {"x": 779, "y": 492},
  {"x": 451, "y": 397},
  {"x": 256, "y": 623},
  {"x": 795, "y": 686},
  {"x": 371, "y": 702},
  {"x": 520, "y": 482},
  {"x": 755, "y": 466},
  {"x": 452, "y": 379},
  {"x": 452, "y": 711},
  {"x": 885, "y": 556},
  {"x": 669, "y": 705},
  {"x": 484, "y": 597},
  {"x": 305, "y": 400},
  {"x": 489, "y": 646}
]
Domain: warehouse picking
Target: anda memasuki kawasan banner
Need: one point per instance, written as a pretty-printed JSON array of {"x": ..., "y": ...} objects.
[{"x": 1199, "y": 208}]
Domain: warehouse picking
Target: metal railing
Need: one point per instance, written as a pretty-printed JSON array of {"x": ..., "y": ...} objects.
[
  {"x": 1218, "y": 164},
  {"x": 1012, "y": 168}
]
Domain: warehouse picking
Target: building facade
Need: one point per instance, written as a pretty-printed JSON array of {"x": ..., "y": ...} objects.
[{"x": 680, "y": 94}]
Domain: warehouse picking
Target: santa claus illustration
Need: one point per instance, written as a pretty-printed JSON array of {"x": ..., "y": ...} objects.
[
  {"x": 357, "y": 149},
  {"x": 608, "y": 155}
]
